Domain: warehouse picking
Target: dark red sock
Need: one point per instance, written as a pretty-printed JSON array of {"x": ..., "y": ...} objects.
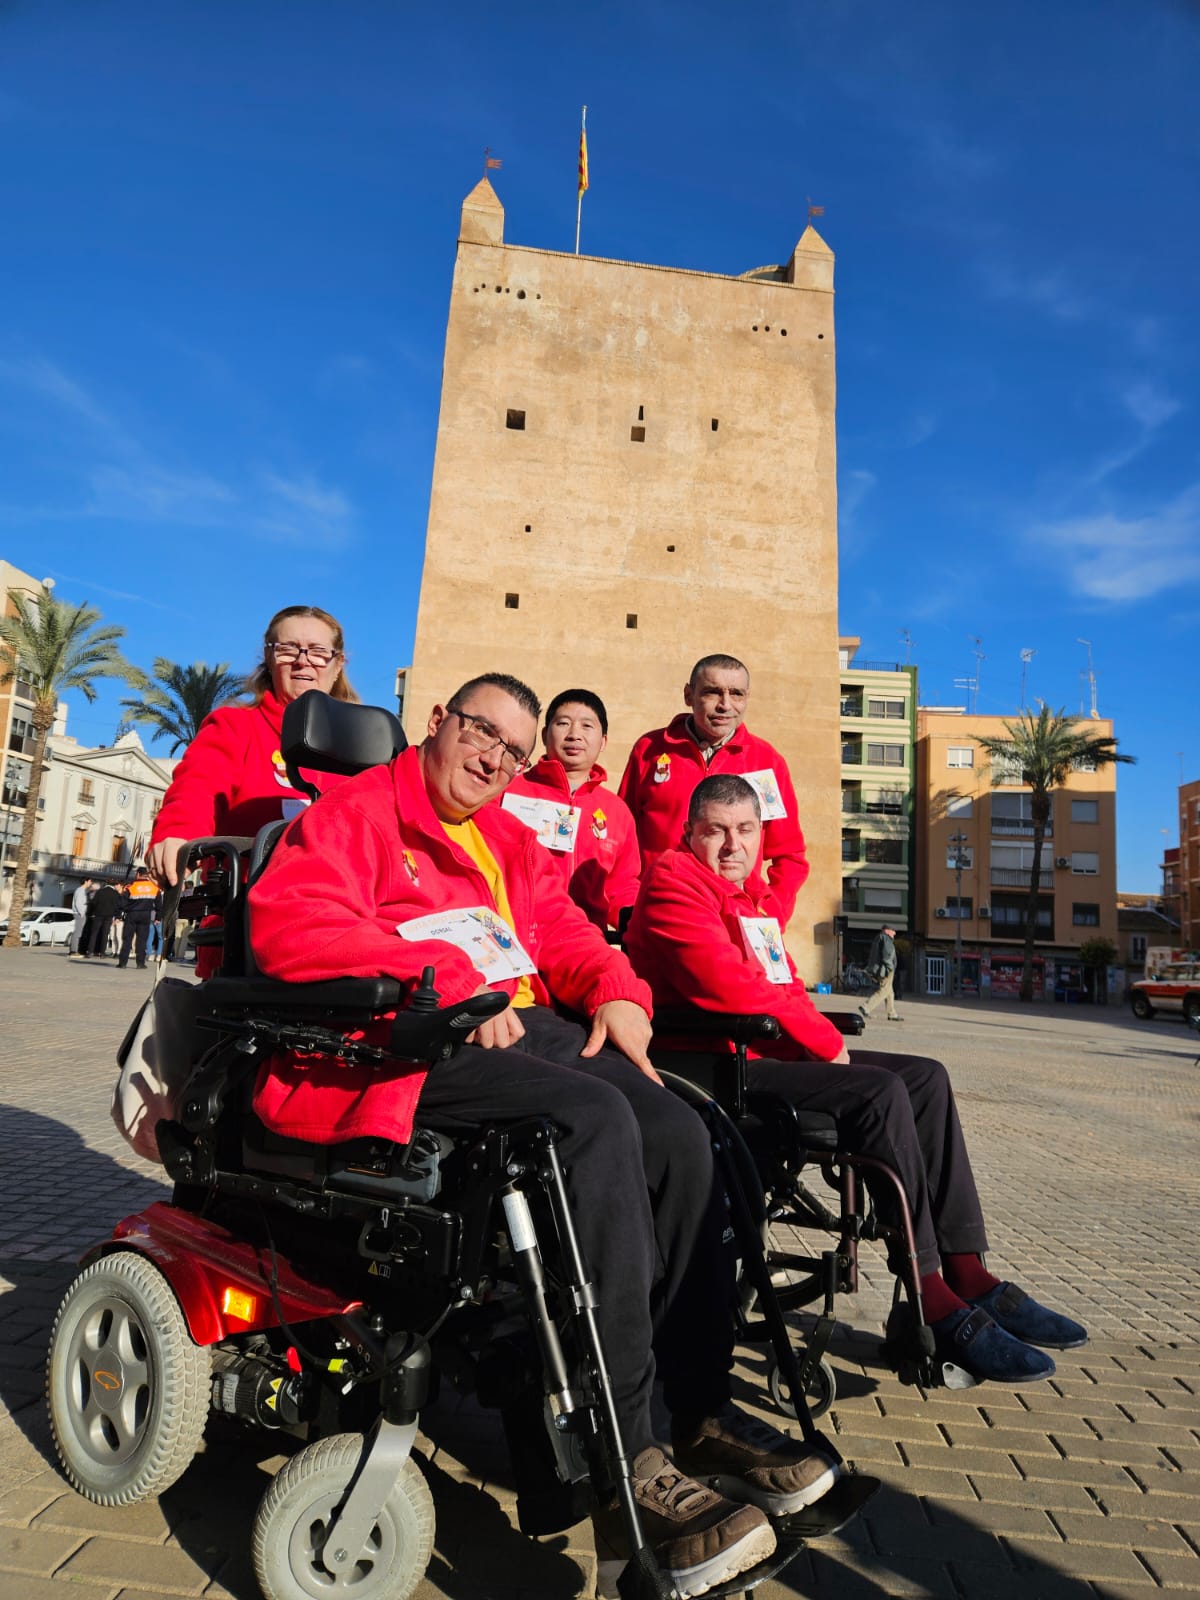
[
  {"x": 968, "y": 1276},
  {"x": 940, "y": 1300}
]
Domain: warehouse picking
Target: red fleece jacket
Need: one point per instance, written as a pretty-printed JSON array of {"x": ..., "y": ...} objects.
[
  {"x": 686, "y": 940},
  {"x": 603, "y": 870},
  {"x": 231, "y": 779},
  {"x": 666, "y": 765},
  {"x": 371, "y": 855}
]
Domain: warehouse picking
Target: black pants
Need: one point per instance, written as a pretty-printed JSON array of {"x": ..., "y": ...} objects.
[
  {"x": 650, "y": 1218},
  {"x": 98, "y": 945},
  {"x": 134, "y": 934},
  {"x": 901, "y": 1110}
]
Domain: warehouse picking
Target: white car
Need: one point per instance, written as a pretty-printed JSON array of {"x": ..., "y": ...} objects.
[{"x": 44, "y": 925}]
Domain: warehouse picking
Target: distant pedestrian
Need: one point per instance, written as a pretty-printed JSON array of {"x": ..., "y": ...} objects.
[
  {"x": 881, "y": 969},
  {"x": 80, "y": 902},
  {"x": 141, "y": 898},
  {"x": 106, "y": 904},
  {"x": 154, "y": 942}
]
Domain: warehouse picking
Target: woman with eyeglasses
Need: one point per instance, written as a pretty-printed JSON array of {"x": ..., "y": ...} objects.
[{"x": 232, "y": 778}]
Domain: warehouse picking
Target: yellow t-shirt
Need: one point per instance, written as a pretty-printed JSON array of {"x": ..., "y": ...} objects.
[{"x": 469, "y": 840}]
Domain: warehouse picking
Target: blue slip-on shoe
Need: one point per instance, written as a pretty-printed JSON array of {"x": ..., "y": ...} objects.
[
  {"x": 1030, "y": 1322},
  {"x": 971, "y": 1340}
]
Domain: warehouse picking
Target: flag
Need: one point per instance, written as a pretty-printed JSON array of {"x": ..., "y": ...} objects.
[{"x": 583, "y": 164}]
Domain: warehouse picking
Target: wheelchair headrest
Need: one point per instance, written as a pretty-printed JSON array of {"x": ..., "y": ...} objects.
[{"x": 337, "y": 736}]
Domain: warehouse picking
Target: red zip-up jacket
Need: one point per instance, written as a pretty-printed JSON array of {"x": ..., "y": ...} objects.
[
  {"x": 371, "y": 855},
  {"x": 232, "y": 779},
  {"x": 666, "y": 765},
  {"x": 685, "y": 939},
  {"x": 603, "y": 870}
]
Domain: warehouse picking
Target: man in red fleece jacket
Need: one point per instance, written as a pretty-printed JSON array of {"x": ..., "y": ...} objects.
[
  {"x": 409, "y": 865},
  {"x": 666, "y": 765},
  {"x": 703, "y": 933},
  {"x": 586, "y": 828}
]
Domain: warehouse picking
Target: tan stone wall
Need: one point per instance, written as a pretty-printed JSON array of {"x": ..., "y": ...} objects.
[{"x": 718, "y": 539}]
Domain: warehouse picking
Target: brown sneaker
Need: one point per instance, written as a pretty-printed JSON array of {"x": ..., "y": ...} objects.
[
  {"x": 750, "y": 1460},
  {"x": 698, "y": 1537}
]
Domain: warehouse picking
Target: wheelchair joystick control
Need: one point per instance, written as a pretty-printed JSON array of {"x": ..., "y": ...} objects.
[{"x": 425, "y": 997}]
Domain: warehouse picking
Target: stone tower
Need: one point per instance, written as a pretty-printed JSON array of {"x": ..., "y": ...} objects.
[{"x": 635, "y": 467}]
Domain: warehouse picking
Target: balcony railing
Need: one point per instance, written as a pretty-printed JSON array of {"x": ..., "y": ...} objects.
[
  {"x": 1011, "y": 828},
  {"x": 1021, "y": 878},
  {"x": 84, "y": 866},
  {"x": 852, "y": 755}
]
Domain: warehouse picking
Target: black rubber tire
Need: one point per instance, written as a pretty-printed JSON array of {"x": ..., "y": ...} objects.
[
  {"x": 300, "y": 1502},
  {"x": 822, "y": 1390},
  {"x": 1141, "y": 1007},
  {"x": 35, "y": 938},
  {"x": 1191, "y": 1007},
  {"x": 126, "y": 1387}
]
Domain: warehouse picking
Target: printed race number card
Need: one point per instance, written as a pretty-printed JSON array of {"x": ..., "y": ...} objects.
[
  {"x": 481, "y": 934},
  {"x": 555, "y": 824}
]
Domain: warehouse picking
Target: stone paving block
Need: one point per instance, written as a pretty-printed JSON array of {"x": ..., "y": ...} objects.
[
  {"x": 19, "y": 1506},
  {"x": 995, "y": 1517},
  {"x": 1001, "y": 1583},
  {"x": 1031, "y": 1441},
  {"x": 899, "y": 1576},
  {"x": 930, "y": 1481},
  {"x": 989, "y": 1463},
  {"x": 1134, "y": 1533},
  {"x": 1131, "y": 1454},
  {"x": 1174, "y": 1571},
  {"x": 147, "y": 1521},
  {"x": 1091, "y": 1474},
  {"x": 156, "y": 1568},
  {"x": 1040, "y": 1494},
  {"x": 32, "y": 1550},
  {"x": 1180, "y": 1507},
  {"x": 1082, "y": 1561},
  {"x": 26, "y": 1587}
]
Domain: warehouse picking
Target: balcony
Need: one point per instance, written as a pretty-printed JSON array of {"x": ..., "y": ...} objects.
[
  {"x": 851, "y": 707},
  {"x": 1011, "y": 828},
  {"x": 1021, "y": 878},
  {"x": 84, "y": 866},
  {"x": 852, "y": 755}
]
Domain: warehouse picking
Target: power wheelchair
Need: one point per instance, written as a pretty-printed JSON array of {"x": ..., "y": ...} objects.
[{"x": 323, "y": 1290}]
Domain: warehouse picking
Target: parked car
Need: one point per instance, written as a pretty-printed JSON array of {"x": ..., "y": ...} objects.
[
  {"x": 1174, "y": 988},
  {"x": 44, "y": 925}
]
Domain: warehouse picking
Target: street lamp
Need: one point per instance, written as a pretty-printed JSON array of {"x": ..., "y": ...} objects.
[{"x": 961, "y": 860}]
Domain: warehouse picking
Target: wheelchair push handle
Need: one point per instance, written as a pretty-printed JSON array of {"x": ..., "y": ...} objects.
[{"x": 428, "y": 1031}]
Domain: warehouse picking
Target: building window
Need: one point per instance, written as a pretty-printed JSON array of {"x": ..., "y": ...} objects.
[
  {"x": 886, "y": 852},
  {"x": 1084, "y": 764},
  {"x": 851, "y": 703},
  {"x": 885, "y": 803},
  {"x": 960, "y": 908},
  {"x": 79, "y": 842},
  {"x": 852, "y": 752},
  {"x": 87, "y": 792},
  {"x": 637, "y": 434},
  {"x": 960, "y": 755},
  {"x": 515, "y": 419},
  {"x": 1013, "y": 814},
  {"x": 1008, "y": 911},
  {"x": 878, "y": 899},
  {"x": 886, "y": 708},
  {"x": 1085, "y": 863},
  {"x": 1019, "y": 858},
  {"x": 1084, "y": 916},
  {"x": 1137, "y": 947},
  {"x": 1085, "y": 811},
  {"x": 885, "y": 755},
  {"x": 118, "y": 848},
  {"x": 960, "y": 805},
  {"x": 631, "y": 619},
  {"x": 512, "y": 602},
  {"x": 851, "y": 847},
  {"x": 966, "y": 851}
]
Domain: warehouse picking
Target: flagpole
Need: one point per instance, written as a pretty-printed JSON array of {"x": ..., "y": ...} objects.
[{"x": 582, "y": 178}]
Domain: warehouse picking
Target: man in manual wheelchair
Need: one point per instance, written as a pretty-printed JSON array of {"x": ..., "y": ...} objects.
[
  {"x": 313, "y": 1251},
  {"x": 699, "y": 936}
]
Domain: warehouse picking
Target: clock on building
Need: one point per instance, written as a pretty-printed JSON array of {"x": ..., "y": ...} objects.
[{"x": 122, "y": 796}]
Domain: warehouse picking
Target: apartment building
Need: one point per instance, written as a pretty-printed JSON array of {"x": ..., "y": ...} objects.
[
  {"x": 16, "y": 735},
  {"x": 878, "y": 732},
  {"x": 976, "y": 827},
  {"x": 1188, "y": 877}
]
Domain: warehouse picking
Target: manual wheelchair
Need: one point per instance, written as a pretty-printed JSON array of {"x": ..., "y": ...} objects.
[{"x": 322, "y": 1290}]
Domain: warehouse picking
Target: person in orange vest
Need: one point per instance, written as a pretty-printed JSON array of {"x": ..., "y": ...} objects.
[{"x": 143, "y": 897}]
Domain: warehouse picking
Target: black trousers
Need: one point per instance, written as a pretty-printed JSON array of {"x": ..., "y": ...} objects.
[
  {"x": 134, "y": 934},
  {"x": 901, "y": 1110},
  {"x": 650, "y": 1217},
  {"x": 98, "y": 944}
]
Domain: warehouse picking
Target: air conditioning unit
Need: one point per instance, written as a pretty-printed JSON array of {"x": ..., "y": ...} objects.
[
  {"x": 939, "y": 911},
  {"x": 984, "y": 913},
  {"x": 1062, "y": 861}
]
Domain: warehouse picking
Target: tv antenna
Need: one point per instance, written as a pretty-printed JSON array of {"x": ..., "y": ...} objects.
[
  {"x": 979, "y": 658},
  {"x": 1026, "y": 657},
  {"x": 907, "y": 637},
  {"x": 1091, "y": 678}
]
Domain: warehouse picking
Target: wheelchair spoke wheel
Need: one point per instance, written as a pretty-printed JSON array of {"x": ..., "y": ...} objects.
[
  {"x": 127, "y": 1389},
  {"x": 821, "y": 1392},
  {"x": 294, "y": 1519}
]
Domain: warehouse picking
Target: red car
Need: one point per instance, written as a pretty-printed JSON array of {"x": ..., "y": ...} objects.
[{"x": 1174, "y": 988}]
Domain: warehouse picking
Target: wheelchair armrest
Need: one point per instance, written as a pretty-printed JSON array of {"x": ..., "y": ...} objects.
[
  {"x": 426, "y": 1035},
  {"x": 740, "y": 1027},
  {"x": 847, "y": 1023},
  {"x": 356, "y": 997}
]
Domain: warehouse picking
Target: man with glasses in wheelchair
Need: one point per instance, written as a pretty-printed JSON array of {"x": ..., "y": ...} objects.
[
  {"x": 702, "y": 934},
  {"x": 409, "y": 866}
]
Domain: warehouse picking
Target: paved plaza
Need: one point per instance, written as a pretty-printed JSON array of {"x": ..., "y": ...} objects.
[{"x": 1083, "y": 1128}]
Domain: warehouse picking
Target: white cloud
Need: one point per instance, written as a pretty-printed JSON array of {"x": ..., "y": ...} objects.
[
  {"x": 160, "y": 495},
  {"x": 1149, "y": 405},
  {"x": 1050, "y": 292},
  {"x": 1117, "y": 559}
]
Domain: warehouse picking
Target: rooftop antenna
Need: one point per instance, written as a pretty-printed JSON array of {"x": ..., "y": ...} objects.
[
  {"x": 1091, "y": 676},
  {"x": 907, "y": 637},
  {"x": 967, "y": 685},
  {"x": 979, "y": 657},
  {"x": 1026, "y": 657}
]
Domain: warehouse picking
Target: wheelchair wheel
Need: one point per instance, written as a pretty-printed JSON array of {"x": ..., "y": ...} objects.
[
  {"x": 127, "y": 1389},
  {"x": 821, "y": 1393},
  {"x": 295, "y": 1513}
]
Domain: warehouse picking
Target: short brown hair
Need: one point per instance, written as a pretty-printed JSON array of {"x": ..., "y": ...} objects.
[{"x": 258, "y": 684}]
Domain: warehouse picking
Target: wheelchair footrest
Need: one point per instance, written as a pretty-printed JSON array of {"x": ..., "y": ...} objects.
[
  {"x": 788, "y": 1547},
  {"x": 831, "y": 1512}
]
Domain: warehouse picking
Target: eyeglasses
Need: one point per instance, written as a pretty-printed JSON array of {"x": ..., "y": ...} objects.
[
  {"x": 317, "y": 654},
  {"x": 481, "y": 736}
]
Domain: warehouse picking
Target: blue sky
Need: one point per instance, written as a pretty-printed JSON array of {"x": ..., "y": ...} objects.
[{"x": 228, "y": 237}]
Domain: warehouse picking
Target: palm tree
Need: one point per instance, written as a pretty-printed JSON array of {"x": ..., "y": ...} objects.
[
  {"x": 1045, "y": 749},
  {"x": 186, "y": 696},
  {"x": 57, "y": 647}
]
